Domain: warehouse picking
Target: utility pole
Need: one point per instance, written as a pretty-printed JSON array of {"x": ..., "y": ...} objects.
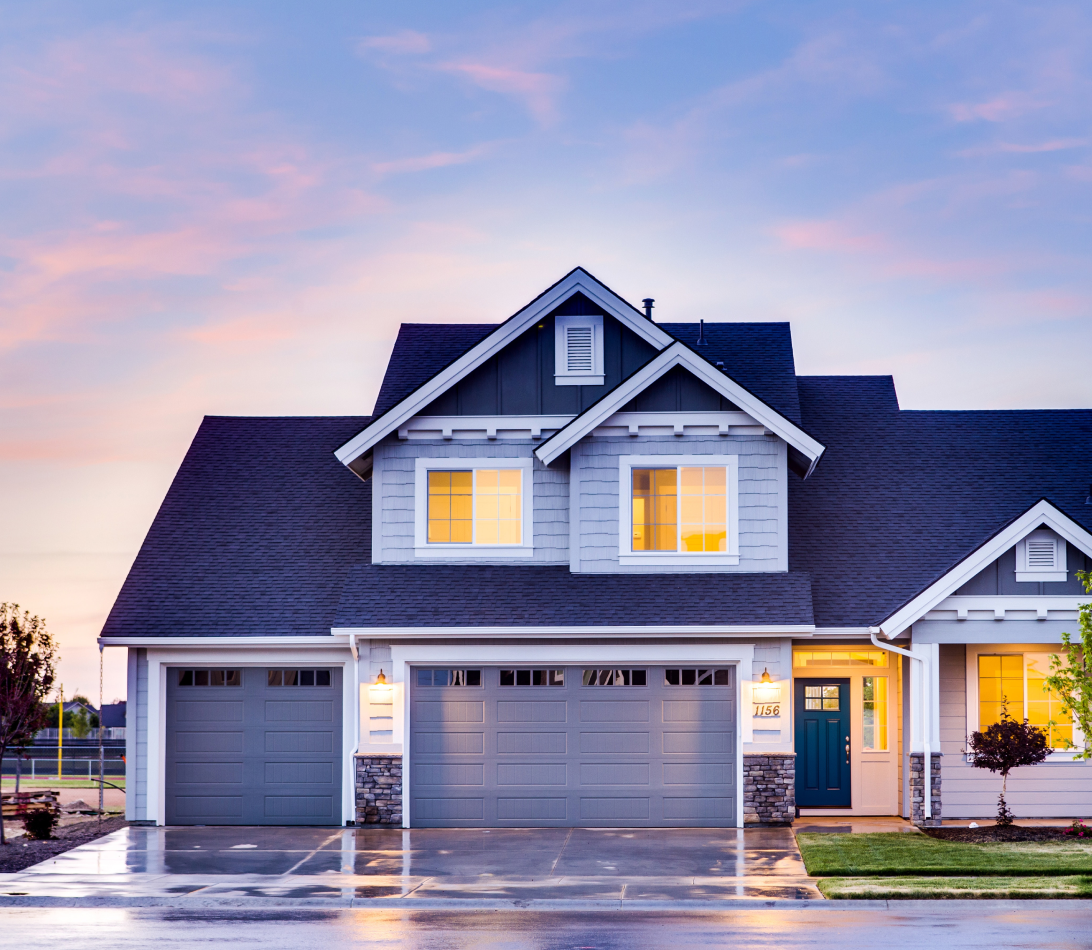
[{"x": 60, "y": 730}]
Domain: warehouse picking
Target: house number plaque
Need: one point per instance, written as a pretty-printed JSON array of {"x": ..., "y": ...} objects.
[{"x": 767, "y": 709}]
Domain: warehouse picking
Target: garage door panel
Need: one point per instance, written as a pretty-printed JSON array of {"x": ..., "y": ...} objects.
[
  {"x": 208, "y": 773},
  {"x": 299, "y": 742},
  {"x": 629, "y": 749},
  {"x": 532, "y": 773},
  {"x": 247, "y": 752},
  {"x": 531, "y": 711},
  {"x": 532, "y": 809},
  {"x": 614, "y": 743},
  {"x": 688, "y": 743},
  {"x": 613, "y": 711},
  {"x": 451, "y": 774},
  {"x": 699, "y": 773},
  {"x": 532, "y": 743},
  {"x": 209, "y": 741},
  {"x": 208, "y": 711},
  {"x": 449, "y": 743}
]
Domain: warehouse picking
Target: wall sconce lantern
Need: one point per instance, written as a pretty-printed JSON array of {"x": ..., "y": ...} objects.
[
  {"x": 766, "y": 696},
  {"x": 381, "y": 680}
]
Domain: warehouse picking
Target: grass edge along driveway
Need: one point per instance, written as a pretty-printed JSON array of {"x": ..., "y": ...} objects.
[{"x": 905, "y": 865}]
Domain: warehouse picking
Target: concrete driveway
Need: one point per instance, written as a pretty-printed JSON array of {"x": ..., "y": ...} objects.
[{"x": 420, "y": 868}]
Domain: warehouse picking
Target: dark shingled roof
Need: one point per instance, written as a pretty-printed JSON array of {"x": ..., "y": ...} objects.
[
  {"x": 901, "y": 497},
  {"x": 758, "y": 356},
  {"x": 255, "y": 537},
  {"x": 479, "y": 596},
  {"x": 420, "y": 352}
]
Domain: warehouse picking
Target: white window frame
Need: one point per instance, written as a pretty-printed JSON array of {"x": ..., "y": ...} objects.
[
  {"x": 562, "y": 375},
  {"x": 1026, "y": 573},
  {"x": 887, "y": 673},
  {"x": 974, "y": 650},
  {"x": 626, "y": 554},
  {"x": 471, "y": 549}
]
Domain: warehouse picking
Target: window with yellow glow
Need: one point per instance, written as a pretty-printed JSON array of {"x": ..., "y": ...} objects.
[
  {"x": 484, "y": 506},
  {"x": 1044, "y": 706},
  {"x": 874, "y": 718},
  {"x": 680, "y": 509},
  {"x": 1000, "y": 684}
]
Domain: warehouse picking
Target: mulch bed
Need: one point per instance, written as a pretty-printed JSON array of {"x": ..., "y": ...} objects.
[
  {"x": 992, "y": 833},
  {"x": 22, "y": 852}
]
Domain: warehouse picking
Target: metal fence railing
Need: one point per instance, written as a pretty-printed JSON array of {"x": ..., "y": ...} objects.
[
  {"x": 39, "y": 768},
  {"x": 112, "y": 732}
]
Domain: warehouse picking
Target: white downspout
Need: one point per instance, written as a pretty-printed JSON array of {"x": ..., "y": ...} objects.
[
  {"x": 926, "y": 723},
  {"x": 356, "y": 719}
]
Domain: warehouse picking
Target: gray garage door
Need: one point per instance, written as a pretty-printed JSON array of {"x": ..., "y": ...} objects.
[
  {"x": 250, "y": 746},
  {"x": 579, "y": 746}
]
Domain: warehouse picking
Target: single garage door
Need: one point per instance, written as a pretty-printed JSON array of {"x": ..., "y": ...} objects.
[
  {"x": 576, "y": 746},
  {"x": 254, "y": 746}
]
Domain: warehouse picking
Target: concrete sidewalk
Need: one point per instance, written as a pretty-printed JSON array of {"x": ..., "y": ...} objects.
[{"x": 190, "y": 867}]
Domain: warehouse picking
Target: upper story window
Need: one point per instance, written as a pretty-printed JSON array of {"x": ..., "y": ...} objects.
[
  {"x": 679, "y": 510},
  {"x": 578, "y": 351},
  {"x": 1040, "y": 557},
  {"x": 480, "y": 508}
]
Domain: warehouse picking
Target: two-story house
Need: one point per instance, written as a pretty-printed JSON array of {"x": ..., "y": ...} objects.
[{"x": 581, "y": 568}]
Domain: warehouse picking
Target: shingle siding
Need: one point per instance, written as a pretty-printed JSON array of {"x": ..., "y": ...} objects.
[
  {"x": 595, "y": 471},
  {"x": 396, "y": 462}
]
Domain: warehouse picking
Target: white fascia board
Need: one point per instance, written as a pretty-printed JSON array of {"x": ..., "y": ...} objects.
[
  {"x": 339, "y": 641},
  {"x": 578, "y": 280},
  {"x": 678, "y": 354},
  {"x": 599, "y": 633},
  {"x": 1041, "y": 513}
]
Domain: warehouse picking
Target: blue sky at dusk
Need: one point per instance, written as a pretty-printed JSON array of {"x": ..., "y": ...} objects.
[{"x": 230, "y": 207}]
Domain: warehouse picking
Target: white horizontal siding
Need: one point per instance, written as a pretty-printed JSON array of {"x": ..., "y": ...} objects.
[
  {"x": 1049, "y": 790},
  {"x": 594, "y": 468},
  {"x": 393, "y": 504}
]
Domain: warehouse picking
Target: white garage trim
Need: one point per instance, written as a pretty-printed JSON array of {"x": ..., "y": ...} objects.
[
  {"x": 404, "y": 656},
  {"x": 160, "y": 660}
]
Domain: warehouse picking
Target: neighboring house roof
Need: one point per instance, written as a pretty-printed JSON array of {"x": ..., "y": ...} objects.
[
  {"x": 255, "y": 536},
  {"x": 902, "y": 497},
  {"x": 498, "y": 596},
  {"x": 113, "y": 715}
]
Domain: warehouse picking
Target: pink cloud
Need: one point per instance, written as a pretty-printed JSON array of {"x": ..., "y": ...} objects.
[
  {"x": 420, "y": 163},
  {"x": 404, "y": 42},
  {"x": 1006, "y": 106},
  {"x": 1034, "y": 148},
  {"x": 537, "y": 91},
  {"x": 826, "y": 236}
]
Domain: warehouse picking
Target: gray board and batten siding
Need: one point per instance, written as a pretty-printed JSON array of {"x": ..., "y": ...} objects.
[
  {"x": 574, "y": 755},
  {"x": 999, "y": 577},
  {"x": 1052, "y": 789},
  {"x": 254, "y": 754}
]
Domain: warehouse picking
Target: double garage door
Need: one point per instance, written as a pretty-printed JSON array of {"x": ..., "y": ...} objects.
[
  {"x": 254, "y": 746},
  {"x": 574, "y": 746}
]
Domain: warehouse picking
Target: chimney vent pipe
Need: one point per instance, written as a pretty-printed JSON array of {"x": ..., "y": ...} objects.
[{"x": 649, "y": 302}]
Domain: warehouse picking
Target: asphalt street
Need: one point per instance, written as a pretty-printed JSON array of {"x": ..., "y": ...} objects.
[{"x": 925, "y": 925}]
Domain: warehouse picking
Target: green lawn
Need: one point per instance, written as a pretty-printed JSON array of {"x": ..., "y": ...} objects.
[
  {"x": 927, "y": 888},
  {"x": 901, "y": 854}
]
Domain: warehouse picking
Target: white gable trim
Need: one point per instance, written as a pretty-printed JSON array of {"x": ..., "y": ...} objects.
[
  {"x": 678, "y": 355},
  {"x": 1041, "y": 513},
  {"x": 578, "y": 280}
]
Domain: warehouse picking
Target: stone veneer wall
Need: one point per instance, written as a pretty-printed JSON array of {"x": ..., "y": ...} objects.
[
  {"x": 917, "y": 789},
  {"x": 769, "y": 788},
  {"x": 379, "y": 790}
]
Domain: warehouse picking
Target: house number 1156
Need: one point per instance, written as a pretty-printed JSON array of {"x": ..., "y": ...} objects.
[{"x": 767, "y": 709}]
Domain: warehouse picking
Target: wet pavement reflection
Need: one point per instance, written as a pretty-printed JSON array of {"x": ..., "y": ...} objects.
[{"x": 350, "y": 866}]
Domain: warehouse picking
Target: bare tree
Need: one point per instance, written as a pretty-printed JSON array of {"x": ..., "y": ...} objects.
[{"x": 27, "y": 656}]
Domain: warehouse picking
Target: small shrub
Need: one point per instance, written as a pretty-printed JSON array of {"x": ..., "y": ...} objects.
[
  {"x": 1004, "y": 746},
  {"x": 39, "y": 824},
  {"x": 1079, "y": 829}
]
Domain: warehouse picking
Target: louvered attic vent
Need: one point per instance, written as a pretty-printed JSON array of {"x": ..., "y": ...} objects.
[
  {"x": 578, "y": 349},
  {"x": 1042, "y": 554}
]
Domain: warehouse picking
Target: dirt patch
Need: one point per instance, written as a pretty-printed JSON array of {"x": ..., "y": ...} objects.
[
  {"x": 22, "y": 852},
  {"x": 992, "y": 833}
]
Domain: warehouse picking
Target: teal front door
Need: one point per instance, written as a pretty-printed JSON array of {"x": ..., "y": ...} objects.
[{"x": 822, "y": 743}]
